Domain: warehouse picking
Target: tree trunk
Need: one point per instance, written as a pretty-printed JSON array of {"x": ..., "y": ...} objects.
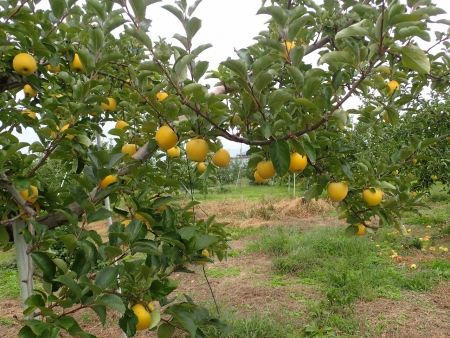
[{"x": 24, "y": 263}]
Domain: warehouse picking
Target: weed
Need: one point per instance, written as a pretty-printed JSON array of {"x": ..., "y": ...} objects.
[
  {"x": 86, "y": 317},
  {"x": 235, "y": 253},
  {"x": 5, "y": 321},
  {"x": 220, "y": 273},
  {"x": 314, "y": 330},
  {"x": 236, "y": 233},
  {"x": 254, "y": 326},
  {"x": 446, "y": 230}
]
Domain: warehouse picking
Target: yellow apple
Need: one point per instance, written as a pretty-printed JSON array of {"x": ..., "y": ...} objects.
[
  {"x": 76, "y": 65},
  {"x": 28, "y": 90},
  {"x": 24, "y": 64}
]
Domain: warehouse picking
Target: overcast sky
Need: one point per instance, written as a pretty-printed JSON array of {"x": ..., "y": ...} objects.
[{"x": 227, "y": 25}]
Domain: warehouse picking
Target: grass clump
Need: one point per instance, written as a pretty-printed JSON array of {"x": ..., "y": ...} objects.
[
  {"x": 224, "y": 272},
  {"x": 348, "y": 269},
  {"x": 254, "y": 326}
]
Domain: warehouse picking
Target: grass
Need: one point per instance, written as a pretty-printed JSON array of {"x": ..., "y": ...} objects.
[
  {"x": 248, "y": 192},
  {"x": 261, "y": 325},
  {"x": 347, "y": 269},
  {"x": 9, "y": 286},
  {"x": 226, "y": 272}
]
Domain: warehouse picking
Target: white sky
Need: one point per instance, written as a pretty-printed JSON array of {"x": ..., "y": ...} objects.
[{"x": 227, "y": 25}]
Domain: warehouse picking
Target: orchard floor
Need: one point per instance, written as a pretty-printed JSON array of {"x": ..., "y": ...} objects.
[{"x": 246, "y": 285}]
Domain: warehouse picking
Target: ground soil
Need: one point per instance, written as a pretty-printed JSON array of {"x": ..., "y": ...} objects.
[{"x": 250, "y": 291}]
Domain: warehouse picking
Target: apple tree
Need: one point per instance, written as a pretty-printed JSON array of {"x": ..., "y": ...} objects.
[
  {"x": 84, "y": 63},
  {"x": 426, "y": 117}
]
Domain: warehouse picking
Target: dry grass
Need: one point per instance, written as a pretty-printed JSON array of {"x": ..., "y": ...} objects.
[{"x": 253, "y": 212}]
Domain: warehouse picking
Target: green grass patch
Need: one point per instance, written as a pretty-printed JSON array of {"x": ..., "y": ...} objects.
[
  {"x": 258, "y": 325},
  {"x": 425, "y": 220},
  {"x": 9, "y": 287},
  {"x": 248, "y": 192},
  {"x": 220, "y": 273},
  {"x": 346, "y": 269},
  {"x": 5, "y": 321},
  {"x": 236, "y": 233}
]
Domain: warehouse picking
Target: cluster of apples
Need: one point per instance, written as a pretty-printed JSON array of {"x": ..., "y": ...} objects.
[
  {"x": 337, "y": 191},
  {"x": 265, "y": 169}
]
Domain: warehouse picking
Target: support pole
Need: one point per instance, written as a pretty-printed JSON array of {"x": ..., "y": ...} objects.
[
  {"x": 109, "y": 219},
  {"x": 24, "y": 263},
  {"x": 289, "y": 184},
  {"x": 294, "y": 185}
]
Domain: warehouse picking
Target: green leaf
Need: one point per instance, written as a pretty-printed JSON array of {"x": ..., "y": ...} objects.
[
  {"x": 191, "y": 88},
  {"x": 70, "y": 283},
  {"x": 106, "y": 277},
  {"x": 58, "y": 7},
  {"x": 262, "y": 63},
  {"x": 139, "y": 35},
  {"x": 407, "y": 32},
  {"x": 97, "y": 38},
  {"x": 97, "y": 7},
  {"x": 356, "y": 29},
  {"x": 181, "y": 64},
  {"x": 145, "y": 246},
  {"x": 310, "y": 151},
  {"x": 184, "y": 317},
  {"x": 201, "y": 48},
  {"x": 45, "y": 264},
  {"x": 237, "y": 66},
  {"x": 205, "y": 241},
  {"x": 100, "y": 310},
  {"x": 427, "y": 142},
  {"x": 27, "y": 332},
  {"x": 351, "y": 231},
  {"x": 166, "y": 331},
  {"x": 297, "y": 76},
  {"x": 113, "y": 23},
  {"x": 106, "y": 58},
  {"x": 155, "y": 318},
  {"x": 335, "y": 57},
  {"x": 99, "y": 215},
  {"x": 386, "y": 185},
  {"x": 305, "y": 102},
  {"x": 151, "y": 66},
  {"x": 162, "y": 288},
  {"x": 175, "y": 11},
  {"x": 12, "y": 150},
  {"x": 415, "y": 58},
  {"x": 69, "y": 215},
  {"x": 89, "y": 65},
  {"x": 111, "y": 301},
  {"x": 4, "y": 236},
  {"x": 277, "y": 13},
  {"x": 128, "y": 323},
  {"x": 70, "y": 241},
  {"x": 280, "y": 156},
  {"x": 200, "y": 69},
  {"x": 262, "y": 81},
  {"x": 192, "y": 27},
  {"x": 278, "y": 98},
  {"x": 139, "y": 9}
]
